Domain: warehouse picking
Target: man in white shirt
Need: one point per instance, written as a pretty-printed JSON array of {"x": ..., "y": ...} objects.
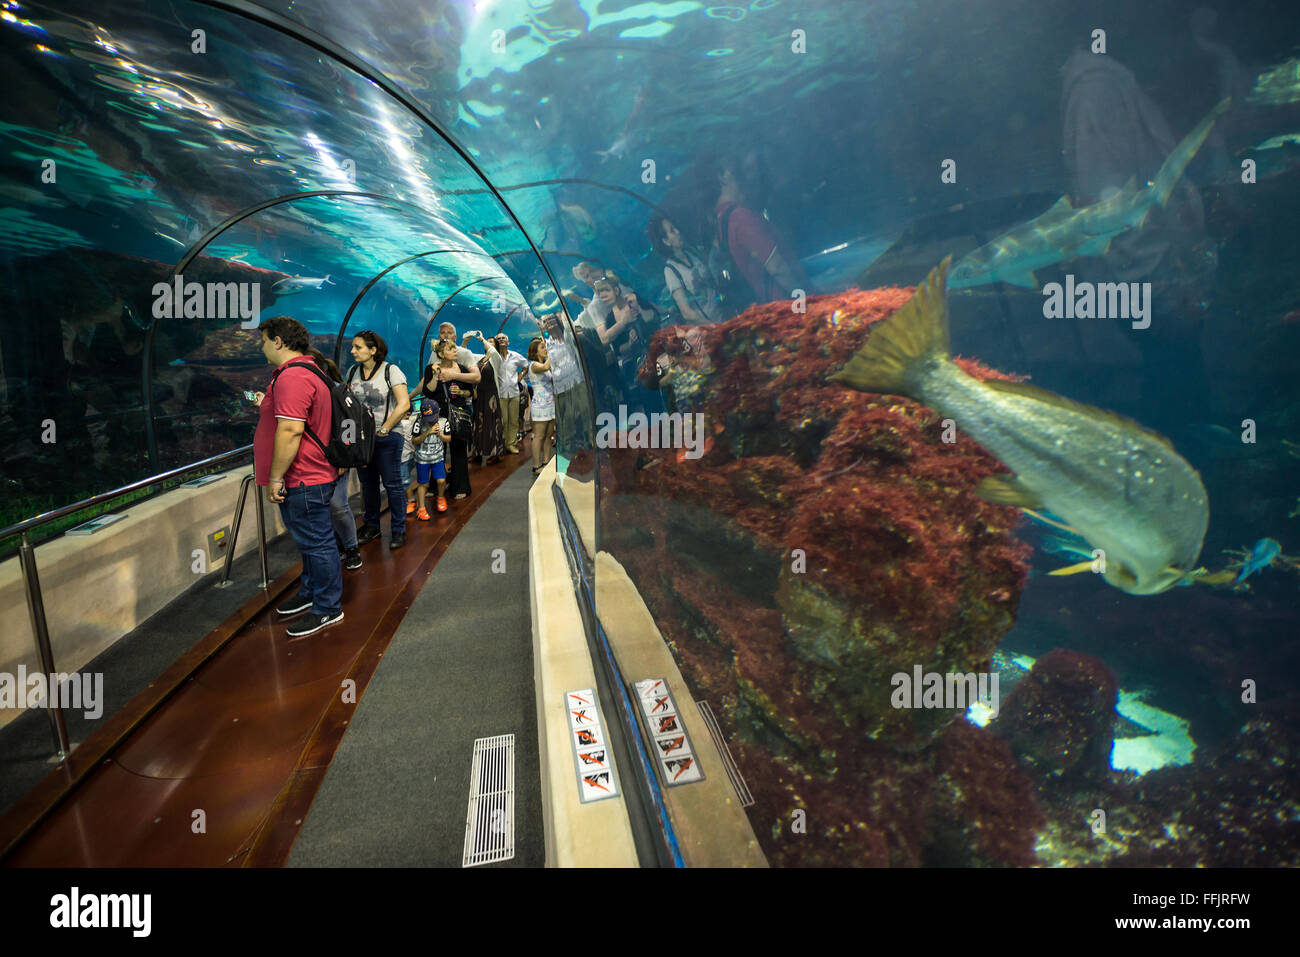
[
  {"x": 448, "y": 332},
  {"x": 574, "y": 417},
  {"x": 507, "y": 365}
]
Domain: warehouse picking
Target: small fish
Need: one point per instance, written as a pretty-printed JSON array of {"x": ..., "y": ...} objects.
[
  {"x": 1261, "y": 556},
  {"x": 581, "y": 220},
  {"x": 1277, "y": 142},
  {"x": 618, "y": 149},
  {"x": 1121, "y": 488},
  {"x": 288, "y": 287},
  {"x": 29, "y": 196}
]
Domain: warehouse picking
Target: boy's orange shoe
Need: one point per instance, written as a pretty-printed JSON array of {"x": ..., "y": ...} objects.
[
  {"x": 442, "y": 504},
  {"x": 410, "y": 507},
  {"x": 423, "y": 515}
]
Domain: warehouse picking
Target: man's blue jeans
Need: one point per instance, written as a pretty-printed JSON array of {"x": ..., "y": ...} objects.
[
  {"x": 385, "y": 466},
  {"x": 306, "y": 513}
]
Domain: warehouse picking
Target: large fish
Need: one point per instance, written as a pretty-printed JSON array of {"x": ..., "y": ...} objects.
[
  {"x": 1064, "y": 232},
  {"x": 296, "y": 284},
  {"x": 1119, "y": 486}
]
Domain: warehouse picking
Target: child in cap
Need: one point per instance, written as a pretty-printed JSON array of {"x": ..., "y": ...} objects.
[{"x": 428, "y": 434}]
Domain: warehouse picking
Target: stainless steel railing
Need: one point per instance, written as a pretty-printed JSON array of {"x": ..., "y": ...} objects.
[
  {"x": 32, "y": 581},
  {"x": 234, "y": 534}
]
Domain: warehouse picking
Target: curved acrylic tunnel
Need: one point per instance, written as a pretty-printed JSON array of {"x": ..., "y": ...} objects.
[{"x": 791, "y": 545}]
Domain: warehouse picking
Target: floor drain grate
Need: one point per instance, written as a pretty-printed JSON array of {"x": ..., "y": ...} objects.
[
  {"x": 490, "y": 822},
  {"x": 733, "y": 772}
]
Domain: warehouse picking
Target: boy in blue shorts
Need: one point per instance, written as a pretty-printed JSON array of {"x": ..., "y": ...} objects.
[{"x": 428, "y": 434}]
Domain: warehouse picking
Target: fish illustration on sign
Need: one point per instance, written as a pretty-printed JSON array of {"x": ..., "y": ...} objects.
[{"x": 1119, "y": 486}]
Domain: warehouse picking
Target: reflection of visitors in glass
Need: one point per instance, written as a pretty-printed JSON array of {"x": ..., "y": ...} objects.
[{"x": 686, "y": 274}]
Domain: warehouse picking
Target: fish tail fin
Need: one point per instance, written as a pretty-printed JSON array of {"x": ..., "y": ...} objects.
[
  {"x": 917, "y": 333},
  {"x": 1223, "y": 577},
  {"x": 1172, "y": 168}
]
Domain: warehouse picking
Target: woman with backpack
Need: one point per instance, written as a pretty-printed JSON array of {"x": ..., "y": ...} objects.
[
  {"x": 686, "y": 275},
  {"x": 381, "y": 387}
]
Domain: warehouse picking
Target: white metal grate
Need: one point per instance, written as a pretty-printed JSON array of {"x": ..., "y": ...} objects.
[
  {"x": 490, "y": 822},
  {"x": 733, "y": 772}
]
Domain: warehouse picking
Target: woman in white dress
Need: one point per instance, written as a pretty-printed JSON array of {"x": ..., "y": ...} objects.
[{"x": 543, "y": 404}]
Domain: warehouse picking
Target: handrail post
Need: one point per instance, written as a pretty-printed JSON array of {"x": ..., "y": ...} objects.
[
  {"x": 261, "y": 537},
  {"x": 234, "y": 532},
  {"x": 36, "y": 610}
]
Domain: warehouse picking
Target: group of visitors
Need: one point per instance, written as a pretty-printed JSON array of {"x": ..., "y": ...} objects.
[
  {"x": 742, "y": 260},
  {"x": 423, "y": 437},
  {"x": 467, "y": 406}
]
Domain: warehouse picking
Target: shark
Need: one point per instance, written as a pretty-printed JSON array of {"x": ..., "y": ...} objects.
[
  {"x": 1064, "y": 232},
  {"x": 297, "y": 284}
]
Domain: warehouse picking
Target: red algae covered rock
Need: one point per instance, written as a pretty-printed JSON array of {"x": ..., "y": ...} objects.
[
  {"x": 1060, "y": 718},
  {"x": 828, "y": 540},
  {"x": 885, "y": 557},
  {"x": 983, "y": 813}
]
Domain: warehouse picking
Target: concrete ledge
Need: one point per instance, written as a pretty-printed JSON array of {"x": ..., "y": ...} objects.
[
  {"x": 712, "y": 828},
  {"x": 577, "y": 834},
  {"x": 100, "y": 587}
]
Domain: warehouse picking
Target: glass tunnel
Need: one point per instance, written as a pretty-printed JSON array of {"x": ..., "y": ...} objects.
[{"x": 922, "y": 385}]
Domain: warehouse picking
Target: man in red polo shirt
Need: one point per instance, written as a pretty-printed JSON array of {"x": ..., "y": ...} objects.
[{"x": 297, "y": 475}]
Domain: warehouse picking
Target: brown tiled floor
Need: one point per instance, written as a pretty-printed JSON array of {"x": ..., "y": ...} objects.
[{"x": 247, "y": 738}]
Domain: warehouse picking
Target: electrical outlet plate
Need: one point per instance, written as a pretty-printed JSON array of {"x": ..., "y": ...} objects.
[{"x": 216, "y": 544}]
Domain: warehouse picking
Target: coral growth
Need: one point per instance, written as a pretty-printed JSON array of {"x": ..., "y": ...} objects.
[
  {"x": 828, "y": 540},
  {"x": 1061, "y": 717}
]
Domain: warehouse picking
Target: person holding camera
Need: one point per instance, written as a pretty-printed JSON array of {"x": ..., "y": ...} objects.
[
  {"x": 488, "y": 443},
  {"x": 451, "y": 384}
]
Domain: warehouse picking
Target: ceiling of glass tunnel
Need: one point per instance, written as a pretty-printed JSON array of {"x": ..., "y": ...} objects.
[
  {"x": 159, "y": 135},
  {"x": 584, "y": 116}
]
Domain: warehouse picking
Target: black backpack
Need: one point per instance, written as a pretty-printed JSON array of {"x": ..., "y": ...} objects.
[
  {"x": 345, "y": 410},
  {"x": 733, "y": 289}
]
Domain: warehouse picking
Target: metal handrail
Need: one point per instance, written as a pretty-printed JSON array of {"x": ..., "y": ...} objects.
[
  {"x": 234, "y": 534},
  {"x": 41, "y": 631},
  {"x": 45, "y": 517},
  {"x": 32, "y": 580}
]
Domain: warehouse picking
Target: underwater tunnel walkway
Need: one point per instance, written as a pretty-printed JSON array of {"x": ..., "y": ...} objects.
[{"x": 222, "y": 769}]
